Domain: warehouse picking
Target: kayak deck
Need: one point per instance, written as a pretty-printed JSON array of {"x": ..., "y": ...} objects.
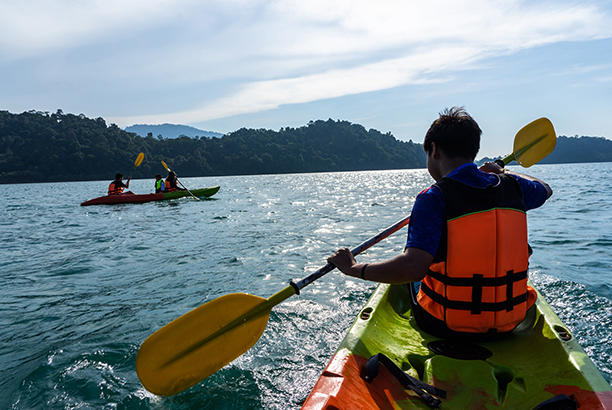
[
  {"x": 140, "y": 198},
  {"x": 533, "y": 365}
]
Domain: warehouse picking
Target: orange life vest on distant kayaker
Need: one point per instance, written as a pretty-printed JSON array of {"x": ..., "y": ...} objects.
[
  {"x": 478, "y": 280},
  {"x": 114, "y": 190},
  {"x": 169, "y": 187}
]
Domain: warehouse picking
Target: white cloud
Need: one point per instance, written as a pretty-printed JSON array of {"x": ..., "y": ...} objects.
[
  {"x": 264, "y": 95},
  {"x": 31, "y": 27},
  {"x": 379, "y": 45},
  {"x": 279, "y": 52}
]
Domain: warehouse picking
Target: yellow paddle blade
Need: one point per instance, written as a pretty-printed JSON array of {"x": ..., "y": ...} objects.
[
  {"x": 534, "y": 142},
  {"x": 197, "y": 344},
  {"x": 139, "y": 159},
  {"x": 165, "y": 166}
]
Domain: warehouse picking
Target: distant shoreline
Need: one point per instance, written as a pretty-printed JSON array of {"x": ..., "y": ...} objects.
[
  {"x": 152, "y": 178},
  {"x": 41, "y": 147}
]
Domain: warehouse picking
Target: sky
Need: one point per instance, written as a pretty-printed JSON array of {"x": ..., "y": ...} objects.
[{"x": 391, "y": 65}]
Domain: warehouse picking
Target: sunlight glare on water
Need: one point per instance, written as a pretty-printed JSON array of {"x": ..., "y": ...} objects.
[{"x": 83, "y": 287}]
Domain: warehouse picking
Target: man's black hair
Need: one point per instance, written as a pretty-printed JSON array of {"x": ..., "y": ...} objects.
[{"x": 455, "y": 133}]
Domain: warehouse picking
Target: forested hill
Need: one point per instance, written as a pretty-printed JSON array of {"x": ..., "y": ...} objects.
[
  {"x": 580, "y": 149},
  {"x": 41, "y": 147},
  {"x": 574, "y": 150}
]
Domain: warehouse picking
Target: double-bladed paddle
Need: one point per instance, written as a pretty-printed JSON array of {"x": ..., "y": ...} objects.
[
  {"x": 199, "y": 343},
  {"x": 179, "y": 181}
]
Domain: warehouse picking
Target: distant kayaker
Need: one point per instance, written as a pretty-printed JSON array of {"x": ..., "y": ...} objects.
[
  {"x": 171, "y": 183},
  {"x": 117, "y": 186},
  {"x": 160, "y": 185},
  {"x": 467, "y": 240}
]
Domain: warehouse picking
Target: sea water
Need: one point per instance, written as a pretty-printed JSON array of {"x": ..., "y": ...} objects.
[{"x": 83, "y": 287}]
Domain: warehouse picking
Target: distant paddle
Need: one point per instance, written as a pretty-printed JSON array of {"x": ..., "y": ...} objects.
[
  {"x": 138, "y": 161},
  {"x": 179, "y": 181},
  {"x": 199, "y": 343}
]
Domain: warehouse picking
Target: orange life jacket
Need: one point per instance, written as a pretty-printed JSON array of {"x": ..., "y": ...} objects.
[
  {"x": 114, "y": 190},
  {"x": 169, "y": 187},
  {"x": 478, "y": 280}
]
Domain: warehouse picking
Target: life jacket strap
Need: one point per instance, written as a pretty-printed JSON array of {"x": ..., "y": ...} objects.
[
  {"x": 476, "y": 305},
  {"x": 477, "y": 282},
  {"x": 420, "y": 388},
  {"x": 509, "y": 277}
]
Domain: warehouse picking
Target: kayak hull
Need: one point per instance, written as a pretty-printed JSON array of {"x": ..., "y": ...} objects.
[
  {"x": 531, "y": 366},
  {"x": 131, "y": 199}
]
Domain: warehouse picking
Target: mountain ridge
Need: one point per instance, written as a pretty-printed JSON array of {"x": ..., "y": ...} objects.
[{"x": 167, "y": 130}]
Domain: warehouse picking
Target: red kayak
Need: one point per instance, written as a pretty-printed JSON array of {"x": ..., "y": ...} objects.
[{"x": 135, "y": 198}]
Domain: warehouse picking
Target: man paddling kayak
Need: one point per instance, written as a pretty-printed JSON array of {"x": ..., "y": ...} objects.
[
  {"x": 171, "y": 183},
  {"x": 160, "y": 185},
  {"x": 117, "y": 186},
  {"x": 467, "y": 239}
]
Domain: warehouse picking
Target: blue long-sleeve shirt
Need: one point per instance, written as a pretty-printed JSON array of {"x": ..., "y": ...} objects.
[{"x": 427, "y": 218}]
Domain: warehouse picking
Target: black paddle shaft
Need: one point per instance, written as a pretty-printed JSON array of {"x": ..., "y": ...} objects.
[{"x": 356, "y": 251}]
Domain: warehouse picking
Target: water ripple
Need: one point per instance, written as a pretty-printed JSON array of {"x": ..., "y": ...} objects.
[{"x": 83, "y": 287}]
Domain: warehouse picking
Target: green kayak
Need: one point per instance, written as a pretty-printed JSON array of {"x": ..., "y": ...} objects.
[
  {"x": 542, "y": 362},
  {"x": 136, "y": 198}
]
